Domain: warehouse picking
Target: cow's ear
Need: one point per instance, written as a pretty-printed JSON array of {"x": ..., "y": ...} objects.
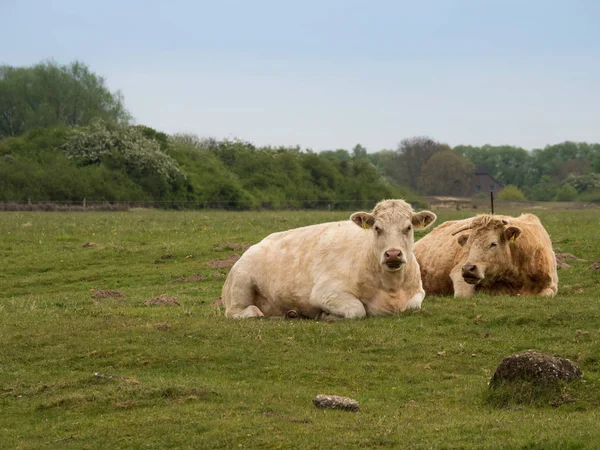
[
  {"x": 423, "y": 219},
  {"x": 363, "y": 219},
  {"x": 511, "y": 233},
  {"x": 462, "y": 239}
]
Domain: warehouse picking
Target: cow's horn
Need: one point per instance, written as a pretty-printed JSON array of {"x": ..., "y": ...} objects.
[
  {"x": 460, "y": 230},
  {"x": 505, "y": 222}
]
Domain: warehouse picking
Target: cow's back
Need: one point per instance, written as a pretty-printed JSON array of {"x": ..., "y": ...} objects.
[
  {"x": 437, "y": 253},
  {"x": 286, "y": 265}
]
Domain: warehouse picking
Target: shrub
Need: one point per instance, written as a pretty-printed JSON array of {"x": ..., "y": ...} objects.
[
  {"x": 511, "y": 193},
  {"x": 566, "y": 193}
]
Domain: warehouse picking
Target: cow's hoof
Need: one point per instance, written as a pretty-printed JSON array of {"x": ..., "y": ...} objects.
[
  {"x": 251, "y": 311},
  {"x": 292, "y": 314}
]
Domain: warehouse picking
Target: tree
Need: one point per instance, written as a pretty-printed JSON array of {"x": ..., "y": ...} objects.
[
  {"x": 50, "y": 95},
  {"x": 511, "y": 165},
  {"x": 446, "y": 173},
  {"x": 411, "y": 156}
]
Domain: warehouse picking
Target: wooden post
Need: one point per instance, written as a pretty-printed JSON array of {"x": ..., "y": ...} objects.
[
  {"x": 492, "y": 200},
  {"x": 84, "y": 202}
]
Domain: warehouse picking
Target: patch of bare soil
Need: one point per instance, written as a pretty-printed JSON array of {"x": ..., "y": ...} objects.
[
  {"x": 190, "y": 279},
  {"x": 89, "y": 244},
  {"x": 219, "y": 275},
  {"x": 168, "y": 256},
  {"x": 595, "y": 266},
  {"x": 535, "y": 367},
  {"x": 217, "y": 302},
  {"x": 224, "y": 263},
  {"x": 162, "y": 300},
  {"x": 107, "y": 293},
  {"x": 561, "y": 260},
  {"x": 110, "y": 376},
  {"x": 232, "y": 246}
]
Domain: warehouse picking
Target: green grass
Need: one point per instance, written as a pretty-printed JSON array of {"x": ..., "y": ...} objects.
[{"x": 186, "y": 377}]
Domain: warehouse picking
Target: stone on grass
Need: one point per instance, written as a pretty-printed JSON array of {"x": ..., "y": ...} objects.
[
  {"x": 335, "y": 402},
  {"x": 535, "y": 367}
]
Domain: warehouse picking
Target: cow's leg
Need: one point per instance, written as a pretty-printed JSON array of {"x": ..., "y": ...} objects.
[
  {"x": 548, "y": 292},
  {"x": 238, "y": 296},
  {"x": 461, "y": 288},
  {"x": 337, "y": 305}
]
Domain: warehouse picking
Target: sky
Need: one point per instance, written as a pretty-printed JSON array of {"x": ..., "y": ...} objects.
[{"x": 328, "y": 74}]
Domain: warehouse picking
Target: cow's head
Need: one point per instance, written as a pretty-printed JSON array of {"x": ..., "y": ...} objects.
[
  {"x": 488, "y": 241},
  {"x": 392, "y": 224}
]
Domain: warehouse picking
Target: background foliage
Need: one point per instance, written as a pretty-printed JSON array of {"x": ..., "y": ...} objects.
[{"x": 64, "y": 136}]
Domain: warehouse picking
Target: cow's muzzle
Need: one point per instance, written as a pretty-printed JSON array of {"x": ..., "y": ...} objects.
[
  {"x": 394, "y": 259},
  {"x": 471, "y": 274}
]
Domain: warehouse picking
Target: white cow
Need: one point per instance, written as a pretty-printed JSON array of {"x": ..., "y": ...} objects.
[{"x": 360, "y": 267}]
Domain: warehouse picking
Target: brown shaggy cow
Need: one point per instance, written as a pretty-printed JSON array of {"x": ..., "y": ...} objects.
[{"x": 492, "y": 254}]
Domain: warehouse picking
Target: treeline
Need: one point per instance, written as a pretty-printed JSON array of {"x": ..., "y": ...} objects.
[
  {"x": 64, "y": 136},
  {"x": 112, "y": 162},
  {"x": 562, "y": 172}
]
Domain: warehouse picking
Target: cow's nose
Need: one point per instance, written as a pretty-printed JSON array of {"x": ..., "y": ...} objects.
[
  {"x": 393, "y": 255},
  {"x": 469, "y": 269}
]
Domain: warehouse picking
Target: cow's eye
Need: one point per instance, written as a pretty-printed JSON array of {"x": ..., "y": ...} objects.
[
  {"x": 493, "y": 244},
  {"x": 378, "y": 230},
  {"x": 408, "y": 228}
]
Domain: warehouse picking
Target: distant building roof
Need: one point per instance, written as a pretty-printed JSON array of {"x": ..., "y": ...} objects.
[{"x": 481, "y": 169}]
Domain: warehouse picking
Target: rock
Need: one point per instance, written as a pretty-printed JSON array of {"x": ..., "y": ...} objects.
[
  {"x": 534, "y": 367},
  {"x": 335, "y": 402}
]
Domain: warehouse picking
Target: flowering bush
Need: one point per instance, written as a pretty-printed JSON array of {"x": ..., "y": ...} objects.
[{"x": 120, "y": 145}]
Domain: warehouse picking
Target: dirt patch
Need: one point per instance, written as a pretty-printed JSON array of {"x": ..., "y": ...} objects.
[
  {"x": 219, "y": 275},
  {"x": 595, "y": 266},
  {"x": 534, "y": 367},
  {"x": 570, "y": 257},
  {"x": 168, "y": 256},
  {"x": 89, "y": 244},
  {"x": 162, "y": 300},
  {"x": 107, "y": 294},
  {"x": 217, "y": 302},
  {"x": 232, "y": 246},
  {"x": 162, "y": 326},
  {"x": 562, "y": 258},
  {"x": 224, "y": 263},
  {"x": 191, "y": 279}
]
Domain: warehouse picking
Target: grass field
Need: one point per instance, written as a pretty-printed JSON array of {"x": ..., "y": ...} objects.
[{"x": 84, "y": 372}]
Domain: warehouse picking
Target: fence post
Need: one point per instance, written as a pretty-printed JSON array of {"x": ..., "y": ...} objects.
[{"x": 492, "y": 200}]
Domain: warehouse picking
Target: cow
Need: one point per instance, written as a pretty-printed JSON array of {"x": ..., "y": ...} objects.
[
  {"x": 360, "y": 267},
  {"x": 493, "y": 254}
]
